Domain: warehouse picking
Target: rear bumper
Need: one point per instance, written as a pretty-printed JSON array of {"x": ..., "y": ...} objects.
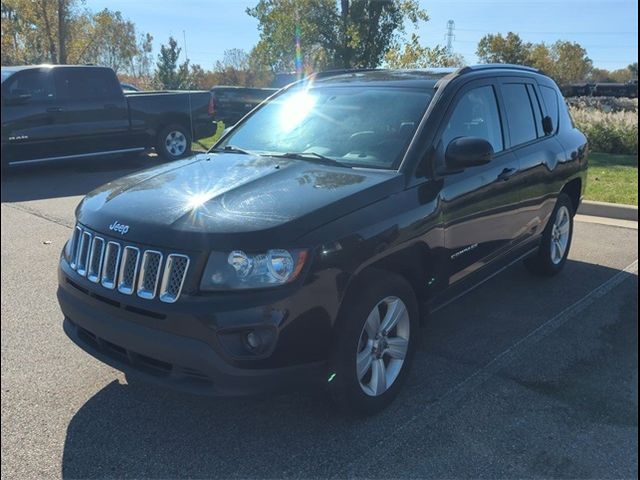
[{"x": 163, "y": 358}]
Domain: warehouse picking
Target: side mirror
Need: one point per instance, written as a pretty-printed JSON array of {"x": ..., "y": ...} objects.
[
  {"x": 465, "y": 152},
  {"x": 547, "y": 125}
]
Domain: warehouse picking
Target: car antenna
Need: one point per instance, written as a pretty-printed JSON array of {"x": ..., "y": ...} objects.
[{"x": 186, "y": 54}]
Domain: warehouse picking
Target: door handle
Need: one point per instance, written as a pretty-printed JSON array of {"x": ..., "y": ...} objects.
[
  {"x": 54, "y": 109},
  {"x": 507, "y": 173},
  {"x": 111, "y": 106}
]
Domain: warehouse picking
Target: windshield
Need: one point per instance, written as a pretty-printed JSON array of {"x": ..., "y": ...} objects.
[
  {"x": 357, "y": 126},
  {"x": 6, "y": 74}
]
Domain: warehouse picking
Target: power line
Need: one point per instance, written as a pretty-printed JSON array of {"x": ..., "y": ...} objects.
[{"x": 549, "y": 32}]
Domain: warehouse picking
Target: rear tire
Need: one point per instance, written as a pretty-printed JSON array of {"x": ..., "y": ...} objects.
[
  {"x": 372, "y": 353},
  {"x": 173, "y": 142},
  {"x": 556, "y": 240}
]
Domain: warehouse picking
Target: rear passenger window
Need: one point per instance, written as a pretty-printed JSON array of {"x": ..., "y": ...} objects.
[
  {"x": 87, "y": 84},
  {"x": 476, "y": 115},
  {"x": 537, "y": 110},
  {"x": 519, "y": 111},
  {"x": 550, "y": 98}
]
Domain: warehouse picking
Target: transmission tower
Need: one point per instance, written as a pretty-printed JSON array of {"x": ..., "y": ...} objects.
[{"x": 451, "y": 26}]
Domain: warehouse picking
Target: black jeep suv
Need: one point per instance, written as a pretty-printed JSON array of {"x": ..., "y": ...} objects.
[{"x": 308, "y": 244}]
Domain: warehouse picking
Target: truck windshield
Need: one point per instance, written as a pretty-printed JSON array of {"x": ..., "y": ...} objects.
[
  {"x": 353, "y": 125},
  {"x": 6, "y": 74}
]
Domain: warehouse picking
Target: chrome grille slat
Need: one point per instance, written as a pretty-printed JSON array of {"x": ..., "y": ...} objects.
[
  {"x": 149, "y": 273},
  {"x": 94, "y": 265},
  {"x": 83, "y": 253},
  {"x": 127, "y": 268},
  {"x": 75, "y": 243},
  {"x": 175, "y": 271},
  {"x": 110, "y": 266}
]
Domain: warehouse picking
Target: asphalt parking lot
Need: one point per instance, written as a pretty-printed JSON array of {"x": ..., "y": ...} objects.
[{"x": 523, "y": 377}]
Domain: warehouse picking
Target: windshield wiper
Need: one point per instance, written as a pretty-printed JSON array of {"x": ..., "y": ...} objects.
[
  {"x": 232, "y": 149},
  {"x": 313, "y": 156}
]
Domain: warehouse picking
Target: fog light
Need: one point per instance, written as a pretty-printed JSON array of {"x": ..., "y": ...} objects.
[{"x": 253, "y": 340}]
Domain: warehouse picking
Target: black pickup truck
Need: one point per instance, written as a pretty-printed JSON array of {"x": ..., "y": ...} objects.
[
  {"x": 230, "y": 104},
  {"x": 64, "y": 111}
]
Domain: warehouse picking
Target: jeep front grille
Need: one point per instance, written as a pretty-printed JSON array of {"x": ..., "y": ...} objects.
[
  {"x": 174, "y": 274},
  {"x": 95, "y": 259},
  {"x": 149, "y": 274},
  {"x": 110, "y": 267},
  {"x": 83, "y": 253},
  {"x": 127, "y": 267}
]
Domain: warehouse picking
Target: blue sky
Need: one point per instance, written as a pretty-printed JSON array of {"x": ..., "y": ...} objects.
[{"x": 606, "y": 28}]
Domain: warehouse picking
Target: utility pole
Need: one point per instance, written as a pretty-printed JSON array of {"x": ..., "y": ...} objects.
[{"x": 451, "y": 25}]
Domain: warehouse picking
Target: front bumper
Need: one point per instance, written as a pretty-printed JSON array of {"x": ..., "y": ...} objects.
[{"x": 114, "y": 334}]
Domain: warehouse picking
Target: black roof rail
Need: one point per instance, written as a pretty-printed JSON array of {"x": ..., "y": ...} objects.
[
  {"x": 342, "y": 71},
  {"x": 490, "y": 66}
]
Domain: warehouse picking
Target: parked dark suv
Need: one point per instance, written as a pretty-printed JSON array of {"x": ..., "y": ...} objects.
[{"x": 310, "y": 243}]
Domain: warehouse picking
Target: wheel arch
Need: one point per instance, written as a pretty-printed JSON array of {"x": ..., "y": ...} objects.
[
  {"x": 415, "y": 263},
  {"x": 181, "y": 120},
  {"x": 573, "y": 189}
]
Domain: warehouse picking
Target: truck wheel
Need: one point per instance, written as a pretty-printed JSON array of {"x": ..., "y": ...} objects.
[
  {"x": 173, "y": 142},
  {"x": 374, "y": 343},
  {"x": 556, "y": 240}
]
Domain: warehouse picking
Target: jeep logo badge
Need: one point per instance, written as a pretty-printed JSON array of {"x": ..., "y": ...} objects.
[{"x": 119, "y": 227}]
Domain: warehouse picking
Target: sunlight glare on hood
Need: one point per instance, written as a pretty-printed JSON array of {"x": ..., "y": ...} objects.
[{"x": 198, "y": 199}]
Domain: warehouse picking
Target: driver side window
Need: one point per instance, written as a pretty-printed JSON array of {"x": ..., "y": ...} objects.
[
  {"x": 476, "y": 115},
  {"x": 37, "y": 84}
]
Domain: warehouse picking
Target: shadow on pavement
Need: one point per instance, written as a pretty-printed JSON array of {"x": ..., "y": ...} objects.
[
  {"x": 69, "y": 178},
  {"x": 136, "y": 430}
]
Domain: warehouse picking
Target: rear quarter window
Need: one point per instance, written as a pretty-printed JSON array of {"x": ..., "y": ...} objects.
[
  {"x": 87, "y": 84},
  {"x": 550, "y": 98}
]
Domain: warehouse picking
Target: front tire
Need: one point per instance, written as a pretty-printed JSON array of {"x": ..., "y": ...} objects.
[
  {"x": 374, "y": 344},
  {"x": 556, "y": 240},
  {"x": 173, "y": 142}
]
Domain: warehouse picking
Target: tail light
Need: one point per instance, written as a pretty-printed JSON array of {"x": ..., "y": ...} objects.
[{"x": 212, "y": 106}]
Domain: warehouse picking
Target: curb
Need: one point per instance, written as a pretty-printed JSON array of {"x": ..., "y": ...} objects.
[{"x": 610, "y": 210}]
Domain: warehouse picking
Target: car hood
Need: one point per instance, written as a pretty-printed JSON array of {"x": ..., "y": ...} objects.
[{"x": 227, "y": 199}]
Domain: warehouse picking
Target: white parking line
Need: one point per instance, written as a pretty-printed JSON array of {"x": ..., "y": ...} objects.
[
  {"x": 449, "y": 399},
  {"x": 612, "y": 222}
]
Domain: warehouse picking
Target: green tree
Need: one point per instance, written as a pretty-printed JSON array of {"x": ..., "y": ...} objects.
[
  {"x": 111, "y": 41},
  {"x": 624, "y": 74},
  {"x": 320, "y": 34},
  {"x": 566, "y": 62},
  {"x": 35, "y": 31},
  {"x": 233, "y": 69},
  {"x": 141, "y": 63},
  {"x": 414, "y": 55},
  {"x": 168, "y": 73},
  {"x": 495, "y": 48},
  {"x": 59, "y": 31},
  {"x": 571, "y": 63},
  {"x": 600, "y": 75},
  {"x": 541, "y": 57}
]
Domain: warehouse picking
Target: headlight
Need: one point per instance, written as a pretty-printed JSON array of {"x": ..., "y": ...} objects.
[{"x": 241, "y": 270}]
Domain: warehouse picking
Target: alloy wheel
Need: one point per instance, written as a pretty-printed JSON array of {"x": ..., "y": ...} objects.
[
  {"x": 560, "y": 234},
  {"x": 383, "y": 346},
  {"x": 176, "y": 143}
]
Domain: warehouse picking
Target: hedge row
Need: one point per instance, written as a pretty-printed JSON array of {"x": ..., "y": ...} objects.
[{"x": 614, "y": 131}]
